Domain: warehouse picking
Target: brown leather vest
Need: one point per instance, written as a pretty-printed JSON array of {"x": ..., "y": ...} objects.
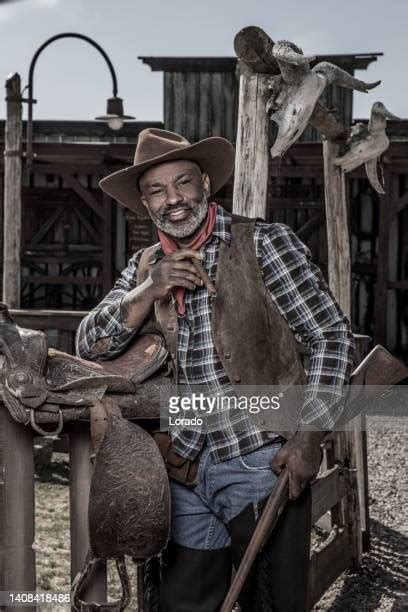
[{"x": 253, "y": 340}]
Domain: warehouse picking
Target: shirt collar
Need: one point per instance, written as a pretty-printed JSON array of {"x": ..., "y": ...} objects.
[{"x": 222, "y": 227}]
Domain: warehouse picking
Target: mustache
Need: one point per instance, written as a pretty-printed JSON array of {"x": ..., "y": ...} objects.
[
  {"x": 176, "y": 209},
  {"x": 163, "y": 214},
  {"x": 170, "y": 209}
]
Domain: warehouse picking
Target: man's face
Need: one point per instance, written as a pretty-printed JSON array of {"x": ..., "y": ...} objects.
[{"x": 175, "y": 195}]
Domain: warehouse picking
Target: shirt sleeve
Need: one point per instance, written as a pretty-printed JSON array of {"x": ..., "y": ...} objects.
[
  {"x": 101, "y": 334},
  {"x": 303, "y": 297}
]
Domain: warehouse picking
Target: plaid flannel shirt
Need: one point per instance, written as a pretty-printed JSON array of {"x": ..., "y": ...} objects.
[{"x": 302, "y": 296}]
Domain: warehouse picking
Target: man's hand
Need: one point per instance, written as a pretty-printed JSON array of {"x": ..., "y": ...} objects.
[
  {"x": 175, "y": 270},
  {"x": 302, "y": 456}
]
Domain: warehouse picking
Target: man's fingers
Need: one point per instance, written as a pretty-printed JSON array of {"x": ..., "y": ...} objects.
[
  {"x": 180, "y": 281},
  {"x": 185, "y": 253},
  {"x": 277, "y": 464},
  {"x": 187, "y": 276},
  {"x": 184, "y": 264},
  {"x": 295, "y": 486}
]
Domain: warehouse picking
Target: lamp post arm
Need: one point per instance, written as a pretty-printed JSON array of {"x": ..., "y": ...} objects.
[{"x": 30, "y": 86}]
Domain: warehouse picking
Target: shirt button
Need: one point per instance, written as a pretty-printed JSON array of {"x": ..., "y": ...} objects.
[
  {"x": 170, "y": 328},
  {"x": 227, "y": 355},
  {"x": 237, "y": 379}
]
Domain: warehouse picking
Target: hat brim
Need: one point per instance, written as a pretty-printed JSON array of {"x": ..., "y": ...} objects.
[{"x": 215, "y": 156}]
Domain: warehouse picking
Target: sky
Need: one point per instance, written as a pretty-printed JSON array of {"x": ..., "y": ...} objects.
[{"x": 72, "y": 81}]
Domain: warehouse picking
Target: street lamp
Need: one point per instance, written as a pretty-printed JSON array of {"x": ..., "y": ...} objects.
[
  {"x": 114, "y": 114},
  {"x": 114, "y": 117}
]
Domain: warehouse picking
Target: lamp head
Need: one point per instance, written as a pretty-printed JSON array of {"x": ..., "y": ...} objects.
[{"x": 115, "y": 116}]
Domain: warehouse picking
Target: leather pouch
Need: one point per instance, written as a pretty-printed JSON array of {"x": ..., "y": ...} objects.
[{"x": 178, "y": 468}]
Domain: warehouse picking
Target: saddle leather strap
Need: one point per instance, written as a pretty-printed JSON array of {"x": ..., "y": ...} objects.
[
  {"x": 178, "y": 468},
  {"x": 99, "y": 423}
]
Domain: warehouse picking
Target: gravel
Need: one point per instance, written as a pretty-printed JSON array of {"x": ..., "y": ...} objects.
[
  {"x": 382, "y": 581},
  {"x": 380, "y": 584}
]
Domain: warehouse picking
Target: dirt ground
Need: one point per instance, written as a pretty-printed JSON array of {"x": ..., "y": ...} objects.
[
  {"x": 382, "y": 581},
  {"x": 380, "y": 584}
]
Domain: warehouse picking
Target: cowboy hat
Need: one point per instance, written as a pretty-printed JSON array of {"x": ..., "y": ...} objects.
[{"x": 214, "y": 155}]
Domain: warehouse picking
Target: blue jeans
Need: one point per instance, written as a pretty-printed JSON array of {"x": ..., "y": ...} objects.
[{"x": 199, "y": 515}]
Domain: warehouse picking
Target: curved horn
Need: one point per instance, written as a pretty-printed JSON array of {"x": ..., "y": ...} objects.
[
  {"x": 372, "y": 175},
  {"x": 380, "y": 109},
  {"x": 336, "y": 75},
  {"x": 286, "y": 51}
]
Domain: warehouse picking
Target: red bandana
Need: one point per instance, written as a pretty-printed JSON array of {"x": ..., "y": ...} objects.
[{"x": 170, "y": 246}]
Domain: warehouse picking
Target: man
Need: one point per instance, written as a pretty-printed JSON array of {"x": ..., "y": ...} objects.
[{"x": 268, "y": 294}]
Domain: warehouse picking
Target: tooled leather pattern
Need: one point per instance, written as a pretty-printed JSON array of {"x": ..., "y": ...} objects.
[
  {"x": 126, "y": 516},
  {"x": 35, "y": 378}
]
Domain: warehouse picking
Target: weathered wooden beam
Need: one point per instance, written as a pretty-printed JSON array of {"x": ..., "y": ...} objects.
[
  {"x": 83, "y": 193},
  {"x": 398, "y": 204},
  {"x": 63, "y": 280},
  {"x": 327, "y": 564},
  {"x": 403, "y": 285},
  {"x": 66, "y": 320},
  {"x": 253, "y": 47},
  {"x": 327, "y": 490},
  {"x": 12, "y": 194},
  {"x": 381, "y": 291},
  {"x": 338, "y": 242},
  {"x": 45, "y": 228},
  {"x": 80, "y": 474},
  {"x": 92, "y": 231},
  {"x": 17, "y": 507},
  {"x": 107, "y": 266},
  {"x": 348, "y": 444},
  {"x": 310, "y": 225},
  {"x": 293, "y": 203},
  {"x": 251, "y": 165}
]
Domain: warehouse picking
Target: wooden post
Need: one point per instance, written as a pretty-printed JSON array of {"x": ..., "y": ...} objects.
[
  {"x": 381, "y": 292},
  {"x": 107, "y": 262},
  {"x": 348, "y": 444},
  {"x": 80, "y": 470},
  {"x": 17, "y": 522},
  {"x": 254, "y": 49},
  {"x": 251, "y": 166},
  {"x": 338, "y": 243},
  {"x": 12, "y": 194},
  {"x": 17, "y": 508}
]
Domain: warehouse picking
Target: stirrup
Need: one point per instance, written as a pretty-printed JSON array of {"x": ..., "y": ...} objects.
[{"x": 78, "y": 605}]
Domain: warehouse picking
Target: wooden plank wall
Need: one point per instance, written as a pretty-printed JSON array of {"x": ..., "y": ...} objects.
[{"x": 201, "y": 104}]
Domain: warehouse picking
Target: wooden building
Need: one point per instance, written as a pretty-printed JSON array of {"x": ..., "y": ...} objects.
[{"x": 76, "y": 240}]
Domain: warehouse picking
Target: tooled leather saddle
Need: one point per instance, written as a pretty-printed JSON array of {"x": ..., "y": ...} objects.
[{"x": 129, "y": 507}]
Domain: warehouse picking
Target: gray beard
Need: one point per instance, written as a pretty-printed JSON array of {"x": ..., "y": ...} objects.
[{"x": 182, "y": 229}]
